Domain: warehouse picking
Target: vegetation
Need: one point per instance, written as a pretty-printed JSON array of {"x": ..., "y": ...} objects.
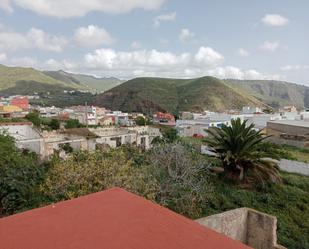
[
  {"x": 8, "y": 120},
  {"x": 288, "y": 201},
  {"x": 174, "y": 175},
  {"x": 274, "y": 93},
  {"x": 11, "y": 77},
  {"x": 297, "y": 154},
  {"x": 140, "y": 121},
  {"x": 73, "y": 123},
  {"x": 20, "y": 174},
  {"x": 34, "y": 118},
  {"x": 286, "y": 151},
  {"x": 149, "y": 95},
  {"x": 236, "y": 147}
]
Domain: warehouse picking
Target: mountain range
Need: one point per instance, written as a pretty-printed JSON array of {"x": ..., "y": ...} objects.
[{"x": 150, "y": 94}]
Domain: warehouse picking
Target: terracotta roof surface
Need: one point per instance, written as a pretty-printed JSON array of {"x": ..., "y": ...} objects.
[{"x": 112, "y": 219}]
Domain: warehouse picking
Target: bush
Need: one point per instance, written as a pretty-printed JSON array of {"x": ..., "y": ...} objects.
[
  {"x": 19, "y": 177},
  {"x": 73, "y": 123}
]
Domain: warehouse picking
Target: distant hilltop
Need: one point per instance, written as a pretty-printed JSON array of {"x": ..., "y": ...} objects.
[
  {"x": 148, "y": 95},
  {"x": 13, "y": 79},
  {"x": 206, "y": 93}
]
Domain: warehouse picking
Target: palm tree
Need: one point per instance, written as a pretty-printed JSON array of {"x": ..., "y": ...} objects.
[{"x": 237, "y": 146}]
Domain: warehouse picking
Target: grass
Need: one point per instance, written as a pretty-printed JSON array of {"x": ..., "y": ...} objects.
[
  {"x": 288, "y": 201},
  {"x": 300, "y": 154}
]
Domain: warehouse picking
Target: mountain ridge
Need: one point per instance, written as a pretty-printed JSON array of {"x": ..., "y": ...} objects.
[{"x": 147, "y": 95}]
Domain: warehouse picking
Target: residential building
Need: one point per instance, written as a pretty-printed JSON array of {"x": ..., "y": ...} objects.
[
  {"x": 251, "y": 110},
  {"x": 164, "y": 118},
  {"x": 113, "y": 219},
  {"x": 45, "y": 143},
  {"x": 25, "y": 134},
  {"x": 49, "y": 112},
  {"x": 11, "y": 111},
  {"x": 20, "y": 101},
  {"x": 117, "y": 136},
  {"x": 197, "y": 127},
  {"x": 107, "y": 121},
  {"x": 84, "y": 114}
]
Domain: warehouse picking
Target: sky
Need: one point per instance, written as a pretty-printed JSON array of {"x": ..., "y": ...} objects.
[{"x": 241, "y": 39}]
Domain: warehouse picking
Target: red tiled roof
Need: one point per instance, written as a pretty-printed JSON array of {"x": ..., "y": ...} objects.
[{"x": 112, "y": 219}]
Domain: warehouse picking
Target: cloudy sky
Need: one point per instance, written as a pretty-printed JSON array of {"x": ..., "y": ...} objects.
[{"x": 244, "y": 39}]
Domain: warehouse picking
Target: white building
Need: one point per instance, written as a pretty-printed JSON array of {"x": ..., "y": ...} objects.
[
  {"x": 251, "y": 110},
  {"x": 47, "y": 142},
  {"x": 117, "y": 136}
]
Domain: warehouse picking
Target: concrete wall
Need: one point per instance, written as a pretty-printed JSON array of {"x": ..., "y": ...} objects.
[
  {"x": 277, "y": 128},
  {"x": 26, "y": 137},
  {"x": 232, "y": 223},
  {"x": 251, "y": 227}
]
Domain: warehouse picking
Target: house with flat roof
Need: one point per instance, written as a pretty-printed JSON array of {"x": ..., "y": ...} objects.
[{"x": 111, "y": 219}]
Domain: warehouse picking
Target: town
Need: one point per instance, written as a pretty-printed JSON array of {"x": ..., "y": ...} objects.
[
  {"x": 51, "y": 130},
  {"x": 157, "y": 124},
  {"x": 86, "y": 127}
]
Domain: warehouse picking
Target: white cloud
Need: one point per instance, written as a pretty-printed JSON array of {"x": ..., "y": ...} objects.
[
  {"x": 275, "y": 20},
  {"x": 34, "y": 38},
  {"x": 185, "y": 35},
  {"x": 13, "y": 41},
  {"x": 24, "y": 62},
  {"x": 137, "y": 63},
  {"x": 3, "y": 57},
  {"x": 44, "y": 41},
  {"x": 243, "y": 52},
  {"x": 294, "y": 67},
  {"x": 6, "y": 6},
  {"x": 92, "y": 36},
  {"x": 111, "y": 59},
  {"x": 164, "y": 18},
  {"x": 79, "y": 8},
  {"x": 208, "y": 56},
  {"x": 269, "y": 46}
]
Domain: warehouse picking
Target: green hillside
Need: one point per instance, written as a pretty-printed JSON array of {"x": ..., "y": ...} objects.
[
  {"x": 63, "y": 77},
  {"x": 151, "y": 94},
  {"x": 274, "y": 93},
  {"x": 9, "y": 76},
  {"x": 97, "y": 84},
  {"x": 84, "y": 82},
  {"x": 52, "y": 86}
]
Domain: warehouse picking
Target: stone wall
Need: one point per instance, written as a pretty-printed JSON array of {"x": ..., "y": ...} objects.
[{"x": 253, "y": 228}]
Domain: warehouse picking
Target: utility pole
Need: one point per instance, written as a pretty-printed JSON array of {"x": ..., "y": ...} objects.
[{"x": 86, "y": 113}]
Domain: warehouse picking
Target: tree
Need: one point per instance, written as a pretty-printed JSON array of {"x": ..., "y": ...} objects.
[
  {"x": 87, "y": 172},
  {"x": 170, "y": 135},
  {"x": 237, "y": 148},
  {"x": 73, "y": 123},
  {"x": 182, "y": 174},
  {"x": 34, "y": 117},
  {"x": 54, "y": 124},
  {"x": 140, "y": 121},
  {"x": 19, "y": 176}
]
